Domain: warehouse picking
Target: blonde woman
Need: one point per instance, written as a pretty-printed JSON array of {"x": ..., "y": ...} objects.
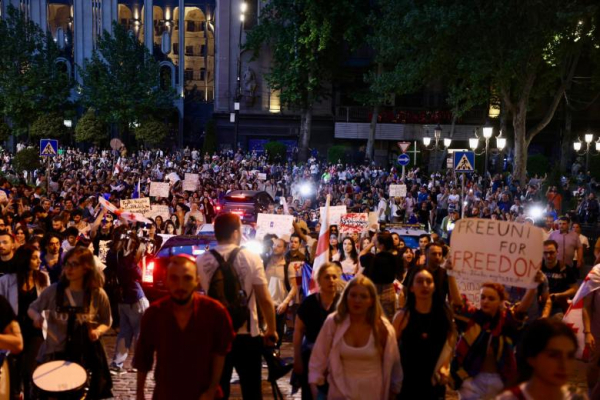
[{"x": 356, "y": 352}]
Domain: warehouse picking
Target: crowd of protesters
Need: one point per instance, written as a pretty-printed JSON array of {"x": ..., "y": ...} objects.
[{"x": 387, "y": 321}]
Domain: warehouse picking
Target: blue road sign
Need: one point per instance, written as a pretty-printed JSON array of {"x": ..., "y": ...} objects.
[
  {"x": 464, "y": 161},
  {"x": 48, "y": 147},
  {"x": 403, "y": 159}
]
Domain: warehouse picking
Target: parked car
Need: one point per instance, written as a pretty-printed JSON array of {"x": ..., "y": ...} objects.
[
  {"x": 410, "y": 233},
  {"x": 247, "y": 204},
  {"x": 154, "y": 268}
]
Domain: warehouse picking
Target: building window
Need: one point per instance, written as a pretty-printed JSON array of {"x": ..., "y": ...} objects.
[{"x": 188, "y": 74}]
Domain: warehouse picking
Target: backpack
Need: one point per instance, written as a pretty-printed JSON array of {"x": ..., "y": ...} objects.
[{"x": 226, "y": 288}]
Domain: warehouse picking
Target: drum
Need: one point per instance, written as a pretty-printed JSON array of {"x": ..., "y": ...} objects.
[{"x": 60, "y": 380}]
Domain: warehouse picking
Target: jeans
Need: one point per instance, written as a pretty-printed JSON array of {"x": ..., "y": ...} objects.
[
  {"x": 246, "y": 357},
  {"x": 130, "y": 316}
]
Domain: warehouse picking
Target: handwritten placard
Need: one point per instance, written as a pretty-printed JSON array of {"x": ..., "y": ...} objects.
[
  {"x": 140, "y": 206},
  {"x": 354, "y": 223},
  {"x": 335, "y": 214},
  {"x": 397, "y": 190},
  {"x": 485, "y": 250},
  {"x": 189, "y": 186},
  {"x": 158, "y": 209},
  {"x": 280, "y": 225},
  {"x": 159, "y": 189},
  {"x": 262, "y": 177}
]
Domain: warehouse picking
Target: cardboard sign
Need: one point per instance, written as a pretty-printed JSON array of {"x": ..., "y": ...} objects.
[
  {"x": 156, "y": 210},
  {"x": 397, "y": 190},
  {"x": 485, "y": 250},
  {"x": 335, "y": 214},
  {"x": 159, "y": 189},
  {"x": 189, "y": 186},
  {"x": 262, "y": 177},
  {"x": 354, "y": 223},
  {"x": 140, "y": 206},
  {"x": 192, "y": 178},
  {"x": 280, "y": 225}
]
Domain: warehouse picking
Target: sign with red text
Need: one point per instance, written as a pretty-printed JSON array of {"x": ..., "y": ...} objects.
[
  {"x": 354, "y": 223},
  {"x": 485, "y": 250},
  {"x": 335, "y": 214}
]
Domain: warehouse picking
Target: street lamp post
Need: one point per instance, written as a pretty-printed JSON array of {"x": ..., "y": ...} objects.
[
  {"x": 238, "y": 90},
  {"x": 487, "y": 135},
  {"x": 577, "y": 146},
  {"x": 437, "y": 135}
]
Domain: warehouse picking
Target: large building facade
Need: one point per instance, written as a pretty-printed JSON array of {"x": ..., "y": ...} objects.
[{"x": 197, "y": 43}]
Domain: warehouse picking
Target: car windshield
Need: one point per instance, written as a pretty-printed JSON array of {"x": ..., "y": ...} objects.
[
  {"x": 193, "y": 250},
  {"x": 411, "y": 241}
]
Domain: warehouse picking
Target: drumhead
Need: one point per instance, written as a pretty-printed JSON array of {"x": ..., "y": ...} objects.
[{"x": 59, "y": 376}]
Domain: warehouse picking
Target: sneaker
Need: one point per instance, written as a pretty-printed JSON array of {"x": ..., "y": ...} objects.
[{"x": 115, "y": 370}]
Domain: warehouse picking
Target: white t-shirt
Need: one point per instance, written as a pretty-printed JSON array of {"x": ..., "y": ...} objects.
[{"x": 249, "y": 268}]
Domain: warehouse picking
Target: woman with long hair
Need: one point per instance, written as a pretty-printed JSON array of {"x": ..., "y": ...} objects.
[
  {"x": 21, "y": 235},
  {"x": 546, "y": 361},
  {"x": 356, "y": 352},
  {"x": 349, "y": 257},
  {"x": 78, "y": 314},
  {"x": 21, "y": 289},
  {"x": 159, "y": 224},
  {"x": 334, "y": 250},
  {"x": 209, "y": 210},
  {"x": 484, "y": 360},
  {"x": 310, "y": 318},
  {"x": 426, "y": 338},
  {"x": 170, "y": 228}
]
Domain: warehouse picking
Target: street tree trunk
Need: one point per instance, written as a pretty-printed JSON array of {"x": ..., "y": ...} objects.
[
  {"x": 305, "y": 128},
  {"x": 521, "y": 145},
  {"x": 565, "y": 148},
  {"x": 370, "y": 153}
]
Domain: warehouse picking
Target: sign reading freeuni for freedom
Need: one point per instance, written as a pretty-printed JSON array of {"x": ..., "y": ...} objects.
[{"x": 485, "y": 250}]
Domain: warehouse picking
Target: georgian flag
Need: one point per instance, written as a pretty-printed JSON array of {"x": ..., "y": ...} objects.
[
  {"x": 118, "y": 167},
  {"x": 574, "y": 315},
  {"x": 322, "y": 253}
]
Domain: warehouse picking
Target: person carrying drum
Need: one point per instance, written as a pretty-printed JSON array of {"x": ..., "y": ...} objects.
[{"x": 78, "y": 314}]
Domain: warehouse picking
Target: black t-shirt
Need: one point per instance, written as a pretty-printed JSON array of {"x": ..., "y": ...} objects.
[
  {"x": 7, "y": 314},
  {"x": 7, "y": 267},
  {"x": 560, "y": 278},
  {"x": 312, "y": 314},
  {"x": 382, "y": 267}
]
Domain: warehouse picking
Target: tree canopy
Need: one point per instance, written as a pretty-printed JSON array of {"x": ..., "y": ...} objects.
[
  {"x": 520, "y": 53},
  {"x": 307, "y": 40},
  {"x": 121, "y": 80},
  {"x": 31, "y": 84}
]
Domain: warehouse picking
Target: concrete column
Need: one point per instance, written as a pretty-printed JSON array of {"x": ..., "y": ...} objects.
[
  {"x": 223, "y": 45},
  {"x": 110, "y": 13},
  {"x": 39, "y": 13},
  {"x": 181, "y": 68},
  {"x": 149, "y": 25},
  {"x": 83, "y": 26}
]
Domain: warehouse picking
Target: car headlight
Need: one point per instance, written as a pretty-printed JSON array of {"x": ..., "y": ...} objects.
[{"x": 254, "y": 246}]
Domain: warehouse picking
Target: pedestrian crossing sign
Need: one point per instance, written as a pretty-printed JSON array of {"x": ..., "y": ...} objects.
[
  {"x": 464, "y": 161},
  {"x": 48, "y": 147}
]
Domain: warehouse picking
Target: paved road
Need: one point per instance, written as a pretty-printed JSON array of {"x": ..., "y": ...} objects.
[{"x": 124, "y": 385}]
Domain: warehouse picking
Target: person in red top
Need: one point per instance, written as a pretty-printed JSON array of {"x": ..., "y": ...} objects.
[{"x": 190, "y": 333}]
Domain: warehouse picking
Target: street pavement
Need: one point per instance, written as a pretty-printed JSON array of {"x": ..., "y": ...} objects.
[{"x": 124, "y": 385}]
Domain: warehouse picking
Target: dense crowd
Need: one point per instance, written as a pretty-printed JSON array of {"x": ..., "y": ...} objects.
[{"x": 384, "y": 320}]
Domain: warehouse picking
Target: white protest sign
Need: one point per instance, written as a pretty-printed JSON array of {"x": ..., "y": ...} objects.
[
  {"x": 262, "y": 177},
  {"x": 335, "y": 214},
  {"x": 192, "y": 178},
  {"x": 354, "y": 223},
  {"x": 156, "y": 210},
  {"x": 397, "y": 190},
  {"x": 189, "y": 185},
  {"x": 373, "y": 220},
  {"x": 140, "y": 206},
  {"x": 486, "y": 250},
  {"x": 280, "y": 225},
  {"x": 471, "y": 290},
  {"x": 159, "y": 189}
]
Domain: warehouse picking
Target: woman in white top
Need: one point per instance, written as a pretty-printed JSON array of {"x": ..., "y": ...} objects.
[
  {"x": 546, "y": 362},
  {"x": 356, "y": 352}
]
